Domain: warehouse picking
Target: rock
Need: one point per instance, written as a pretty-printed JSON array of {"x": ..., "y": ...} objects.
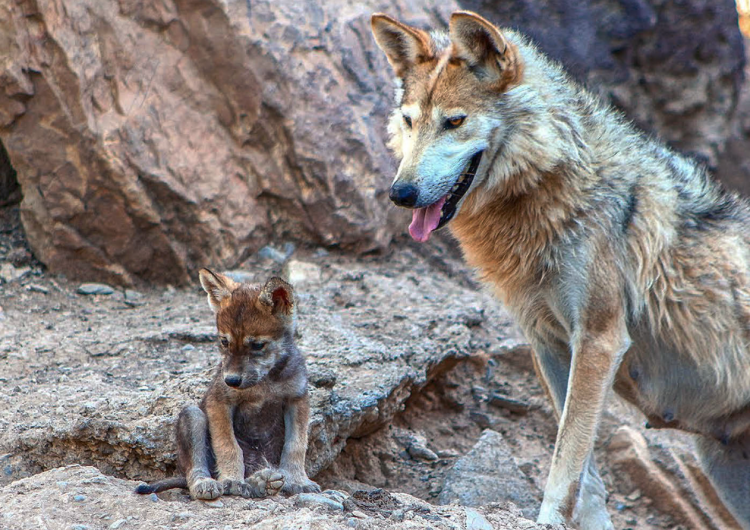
[
  {"x": 10, "y": 191},
  {"x": 9, "y": 273},
  {"x": 36, "y": 499},
  {"x": 510, "y": 404},
  {"x": 311, "y": 500},
  {"x": 299, "y": 273},
  {"x": 34, "y": 288},
  {"x": 670, "y": 477},
  {"x": 489, "y": 473},
  {"x": 119, "y": 189},
  {"x": 94, "y": 288},
  {"x": 476, "y": 521}
]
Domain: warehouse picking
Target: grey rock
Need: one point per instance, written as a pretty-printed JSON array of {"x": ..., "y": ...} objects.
[
  {"x": 316, "y": 499},
  {"x": 489, "y": 473},
  {"x": 476, "y": 521},
  {"x": 9, "y": 273},
  {"x": 95, "y": 288},
  {"x": 35, "y": 288}
]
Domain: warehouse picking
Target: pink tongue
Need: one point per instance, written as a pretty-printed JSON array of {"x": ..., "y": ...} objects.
[{"x": 425, "y": 220}]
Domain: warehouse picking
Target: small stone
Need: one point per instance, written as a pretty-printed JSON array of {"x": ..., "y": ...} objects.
[
  {"x": 448, "y": 453},
  {"x": 95, "y": 288},
  {"x": 336, "y": 495},
  {"x": 358, "y": 514},
  {"x": 9, "y": 273},
  {"x": 188, "y": 347},
  {"x": 153, "y": 497},
  {"x": 476, "y": 521},
  {"x": 79, "y": 527},
  {"x": 634, "y": 495},
  {"x": 216, "y": 503},
  {"x": 268, "y": 252},
  {"x": 35, "y": 288},
  {"x": 504, "y": 402},
  {"x": 299, "y": 272},
  {"x": 419, "y": 451},
  {"x": 117, "y": 524},
  {"x": 316, "y": 499},
  {"x": 79, "y": 498},
  {"x": 131, "y": 294}
]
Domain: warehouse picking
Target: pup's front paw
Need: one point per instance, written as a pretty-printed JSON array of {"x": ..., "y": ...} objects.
[
  {"x": 237, "y": 487},
  {"x": 265, "y": 483},
  {"x": 206, "y": 489},
  {"x": 298, "y": 483}
]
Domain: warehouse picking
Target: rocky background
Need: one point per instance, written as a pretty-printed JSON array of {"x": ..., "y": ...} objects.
[{"x": 141, "y": 140}]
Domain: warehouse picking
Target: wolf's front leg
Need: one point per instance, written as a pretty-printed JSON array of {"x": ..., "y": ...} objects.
[
  {"x": 574, "y": 492},
  {"x": 229, "y": 462},
  {"x": 292, "y": 466}
]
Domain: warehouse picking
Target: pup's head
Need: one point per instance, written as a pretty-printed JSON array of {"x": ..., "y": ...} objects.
[
  {"x": 448, "y": 120},
  {"x": 255, "y": 325}
]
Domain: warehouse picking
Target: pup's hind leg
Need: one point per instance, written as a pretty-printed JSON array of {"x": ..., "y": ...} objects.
[
  {"x": 193, "y": 453},
  {"x": 728, "y": 469},
  {"x": 552, "y": 366}
]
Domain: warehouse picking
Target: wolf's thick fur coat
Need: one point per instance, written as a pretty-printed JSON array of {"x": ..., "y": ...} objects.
[{"x": 625, "y": 265}]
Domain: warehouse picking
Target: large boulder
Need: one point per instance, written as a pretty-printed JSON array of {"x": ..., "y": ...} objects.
[{"x": 152, "y": 138}]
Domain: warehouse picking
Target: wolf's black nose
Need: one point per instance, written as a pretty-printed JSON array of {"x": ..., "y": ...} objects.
[
  {"x": 233, "y": 380},
  {"x": 404, "y": 195}
]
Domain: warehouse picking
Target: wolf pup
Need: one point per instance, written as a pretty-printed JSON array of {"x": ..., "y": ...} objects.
[
  {"x": 248, "y": 437},
  {"x": 623, "y": 263}
]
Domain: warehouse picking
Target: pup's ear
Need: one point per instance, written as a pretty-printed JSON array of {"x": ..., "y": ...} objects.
[
  {"x": 278, "y": 295},
  {"x": 217, "y": 286},
  {"x": 485, "y": 50},
  {"x": 404, "y": 46}
]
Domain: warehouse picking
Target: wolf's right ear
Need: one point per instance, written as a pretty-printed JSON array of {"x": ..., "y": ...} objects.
[
  {"x": 217, "y": 286},
  {"x": 403, "y": 45}
]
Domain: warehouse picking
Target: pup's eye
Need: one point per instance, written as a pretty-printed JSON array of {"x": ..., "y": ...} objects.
[
  {"x": 224, "y": 342},
  {"x": 407, "y": 121},
  {"x": 257, "y": 346},
  {"x": 452, "y": 123}
]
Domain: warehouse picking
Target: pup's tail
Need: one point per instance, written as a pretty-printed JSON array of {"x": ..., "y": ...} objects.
[{"x": 161, "y": 485}]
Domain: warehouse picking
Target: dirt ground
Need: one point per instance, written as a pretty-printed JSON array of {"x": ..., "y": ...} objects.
[{"x": 491, "y": 388}]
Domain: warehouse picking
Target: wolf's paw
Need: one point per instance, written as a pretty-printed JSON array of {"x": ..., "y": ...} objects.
[
  {"x": 237, "y": 487},
  {"x": 265, "y": 483},
  {"x": 294, "y": 484},
  {"x": 206, "y": 489}
]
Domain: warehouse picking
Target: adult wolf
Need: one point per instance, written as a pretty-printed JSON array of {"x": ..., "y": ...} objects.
[{"x": 623, "y": 263}]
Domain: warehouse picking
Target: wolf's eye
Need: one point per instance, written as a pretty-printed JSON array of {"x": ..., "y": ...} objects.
[
  {"x": 407, "y": 121},
  {"x": 224, "y": 342},
  {"x": 452, "y": 123},
  {"x": 257, "y": 345}
]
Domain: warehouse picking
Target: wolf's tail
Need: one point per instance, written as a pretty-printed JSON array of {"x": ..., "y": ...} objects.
[{"x": 161, "y": 485}]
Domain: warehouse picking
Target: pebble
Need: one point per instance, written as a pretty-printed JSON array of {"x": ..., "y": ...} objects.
[
  {"x": 9, "y": 273},
  {"x": 476, "y": 521},
  {"x": 216, "y": 503},
  {"x": 79, "y": 527},
  {"x": 79, "y": 498},
  {"x": 316, "y": 499},
  {"x": 188, "y": 347},
  {"x": 358, "y": 514},
  {"x": 95, "y": 288},
  {"x": 153, "y": 497},
  {"x": 36, "y": 288},
  {"x": 420, "y": 452},
  {"x": 117, "y": 524}
]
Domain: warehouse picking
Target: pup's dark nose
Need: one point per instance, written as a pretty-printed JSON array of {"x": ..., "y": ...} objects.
[
  {"x": 233, "y": 380},
  {"x": 404, "y": 195}
]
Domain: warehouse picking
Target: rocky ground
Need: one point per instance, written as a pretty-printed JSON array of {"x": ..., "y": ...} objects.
[{"x": 423, "y": 395}]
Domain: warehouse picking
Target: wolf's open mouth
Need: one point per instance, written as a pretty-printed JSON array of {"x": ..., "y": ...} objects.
[{"x": 434, "y": 217}]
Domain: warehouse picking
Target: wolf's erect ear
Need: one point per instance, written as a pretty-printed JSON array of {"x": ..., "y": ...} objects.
[
  {"x": 403, "y": 45},
  {"x": 217, "y": 286},
  {"x": 485, "y": 50},
  {"x": 278, "y": 295}
]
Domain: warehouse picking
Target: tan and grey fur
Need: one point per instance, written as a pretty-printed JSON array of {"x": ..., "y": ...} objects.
[
  {"x": 248, "y": 436},
  {"x": 625, "y": 265}
]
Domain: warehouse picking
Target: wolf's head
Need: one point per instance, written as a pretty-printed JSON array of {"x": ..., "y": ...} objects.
[
  {"x": 448, "y": 123},
  {"x": 255, "y": 326}
]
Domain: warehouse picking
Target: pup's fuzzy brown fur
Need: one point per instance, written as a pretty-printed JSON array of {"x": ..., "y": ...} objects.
[{"x": 248, "y": 437}]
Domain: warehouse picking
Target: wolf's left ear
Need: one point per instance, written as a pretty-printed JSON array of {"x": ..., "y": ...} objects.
[
  {"x": 217, "y": 286},
  {"x": 404, "y": 46},
  {"x": 485, "y": 50},
  {"x": 278, "y": 295}
]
